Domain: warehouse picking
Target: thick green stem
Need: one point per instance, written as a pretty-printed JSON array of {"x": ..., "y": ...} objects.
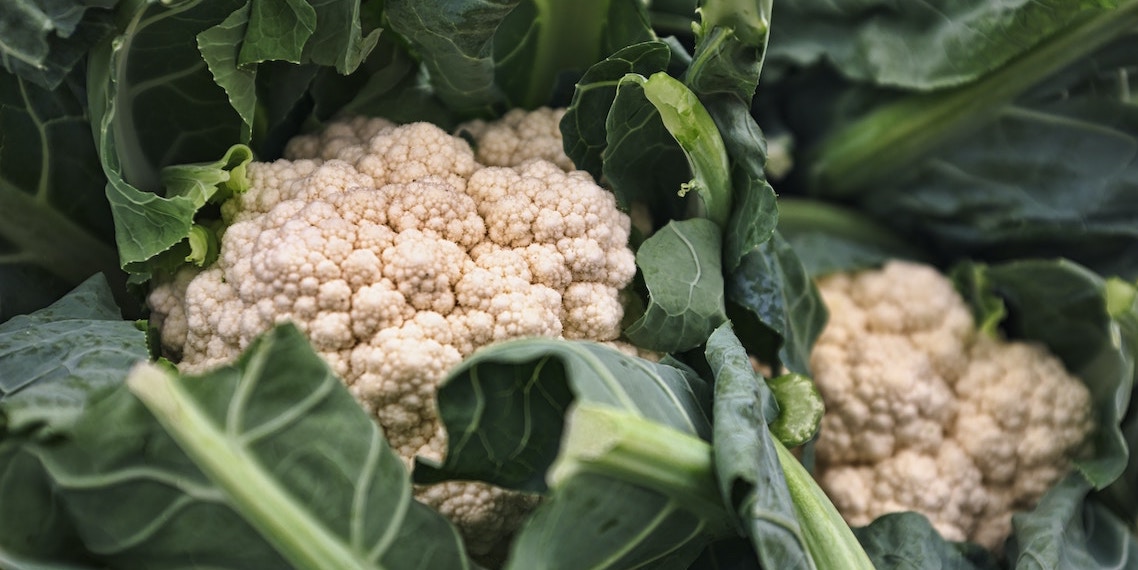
[
  {"x": 693, "y": 128},
  {"x": 875, "y": 147},
  {"x": 627, "y": 447},
  {"x": 829, "y": 539},
  {"x": 569, "y": 38},
  {"x": 796, "y": 216},
  {"x": 253, "y": 492}
]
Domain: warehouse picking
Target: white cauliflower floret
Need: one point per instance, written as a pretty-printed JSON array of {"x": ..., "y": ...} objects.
[
  {"x": 332, "y": 141},
  {"x": 398, "y": 254},
  {"x": 925, "y": 413},
  {"x": 520, "y": 136},
  {"x": 484, "y": 512}
]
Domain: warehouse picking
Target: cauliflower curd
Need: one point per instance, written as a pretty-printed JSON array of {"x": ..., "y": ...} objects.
[
  {"x": 398, "y": 254},
  {"x": 925, "y": 413}
]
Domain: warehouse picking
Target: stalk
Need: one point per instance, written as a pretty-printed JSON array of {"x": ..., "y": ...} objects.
[
  {"x": 829, "y": 539},
  {"x": 797, "y": 216},
  {"x": 254, "y": 493},
  {"x": 569, "y": 38},
  {"x": 876, "y": 146},
  {"x": 689, "y": 122},
  {"x": 627, "y": 447}
]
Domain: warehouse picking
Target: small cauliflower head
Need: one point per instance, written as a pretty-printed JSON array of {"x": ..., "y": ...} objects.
[
  {"x": 925, "y": 413},
  {"x": 398, "y": 254}
]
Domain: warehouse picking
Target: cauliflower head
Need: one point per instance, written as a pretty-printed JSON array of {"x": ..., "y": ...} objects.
[
  {"x": 925, "y": 413},
  {"x": 398, "y": 254}
]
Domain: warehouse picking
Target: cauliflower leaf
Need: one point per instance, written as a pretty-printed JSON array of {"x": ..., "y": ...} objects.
[{"x": 207, "y": 454}]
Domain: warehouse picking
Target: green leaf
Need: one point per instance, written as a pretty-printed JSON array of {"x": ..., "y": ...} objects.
[
  {"x": 829, "y": 238},
  {"x": 53, "y": 361},
  {"x": 44, "y": 40},
  {"x": 35, "y": 533},
  {"x": 746, "y": 459},
  {"x": 641, "y": 161},
  {"x": 55, "y": 358},
  {"x": 774, "y": 304},
  {"x": 131, "y": 90},
  {"x": 889, "y": 44},
  {"x": 694, "y": 130},
  {"x": 1019, "y": 117},
  {"x": 186, "y": 55},
  {"x": 583, "y": 128},
  {"x": 55, "y": 228},
  {"x": 1055, "y": 178},
  {"x": 681, "y": 268},
  {"x": 339, "y": 40},
  {"x": 1064, "y": 306},
  {"x": 731, "y": 43},
  {"x": 628, "y": 436},
  {"x": 454, "y": 41},
  {"x": 385, "y": 85},
  {"x": 754, "y": 212},
  {"x": 729, "y": 554},
  {"x": 276, "y": 30},
  {"x": 1122, "y": 303},
  {"x": 504, "y": 406},
  {"x": 596, "y": 522},
  {"x": 221, "y": 50},
  {"x": 1066, "y": 530},
  {"x": 542, "y": 41},
  {"x": 907, "y": 541},
  {"x": 268, "y": 462}
]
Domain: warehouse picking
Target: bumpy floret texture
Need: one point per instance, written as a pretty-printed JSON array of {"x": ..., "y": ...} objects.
[
  {"x": 519, "y": 136},
  {"x": 925, "y": 413},
  {"x": 398, "y": 254}
]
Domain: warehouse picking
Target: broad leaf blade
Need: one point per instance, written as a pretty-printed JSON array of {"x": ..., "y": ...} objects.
[
  {"x": 188, "y": 56},
  {"x": 597, "y": 522},
  {"x": 1055, "y": 179},
  {"x": 642, "y": 161},
  {"x": 1067, "y": 530},
  {"x": 681, "y": 267},
  {"x": 773, "y": 302},
  {"x": 504, "y": 406},
  {"x": 731, "y": 42},
  {"x": 907, "y": 541},
  {"x": 504, "y": 409},
  {"x": 276, "y": 31},
  {"x": 888, "y": 43},
  {"x": 754, "y": 213},
  {"x": 264, "y": 463},
  {"x": 749, "y": 472},
  {"x": 44, "y": 40},
  {"x": 330, "y": 46},
  {"x": 829, "y": 238},
  {"x": 455, "y": 42},
  {"x": 583, "y": 128},
  {"x": 55, "y": 226},
  {"x": 55, "y": 358}
]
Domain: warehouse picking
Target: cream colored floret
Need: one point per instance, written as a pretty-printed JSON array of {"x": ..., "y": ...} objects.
[
  {"x": 520, "y": 136},
  {"x": 398, "y": 254},
  {"x": 924, "y": 413}
]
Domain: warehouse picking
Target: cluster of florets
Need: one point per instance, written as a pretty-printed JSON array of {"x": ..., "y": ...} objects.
[
  {"x": 925, "y": 413},
  {"x": 398, "y": 253}
]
